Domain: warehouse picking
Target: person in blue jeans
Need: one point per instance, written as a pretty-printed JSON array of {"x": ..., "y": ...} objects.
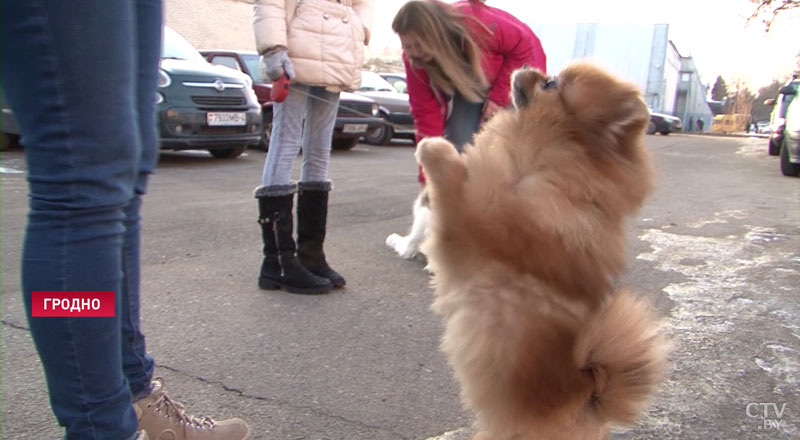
[{"x": 81, "y": 77}]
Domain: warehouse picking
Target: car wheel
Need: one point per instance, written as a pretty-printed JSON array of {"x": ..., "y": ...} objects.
[
  {"x": 227, "y": 153},
  {"x": 344, "y": 144},
  {"x": 8, "y": 140},
  {"x": 651, "y": 128},
  {"x": 788, "y": 168},
  {"x": 664, "y": 132},
  {"x": 774, "y": 149},
  {"x": 266, "y": 129},
  {"x": 380, "y": 135}
]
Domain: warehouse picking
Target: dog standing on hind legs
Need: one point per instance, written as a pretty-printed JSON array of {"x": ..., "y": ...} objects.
[{"x": 525, "y": 238}]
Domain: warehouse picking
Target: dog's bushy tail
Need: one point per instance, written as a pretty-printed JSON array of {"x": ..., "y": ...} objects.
[{"x": 622, "y": 346}]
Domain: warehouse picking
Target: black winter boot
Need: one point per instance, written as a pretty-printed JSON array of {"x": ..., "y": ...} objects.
[
  {"x": 312, "y": 216},
  {"x": 281, "y": 268}
]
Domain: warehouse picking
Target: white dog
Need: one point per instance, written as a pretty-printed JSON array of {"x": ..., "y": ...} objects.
[{"x": 408, "y": 246}]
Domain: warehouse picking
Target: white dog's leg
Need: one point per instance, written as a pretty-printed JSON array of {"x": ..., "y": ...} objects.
[{"x": 408, "y": 246}]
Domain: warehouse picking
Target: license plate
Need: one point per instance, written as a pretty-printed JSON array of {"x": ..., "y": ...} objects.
[
  {"x": 215, "y": 119},
  {"x": 354, "y": 128}
]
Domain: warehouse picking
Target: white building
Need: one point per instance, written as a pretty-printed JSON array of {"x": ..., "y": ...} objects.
[{"x": 641, "y": 53}]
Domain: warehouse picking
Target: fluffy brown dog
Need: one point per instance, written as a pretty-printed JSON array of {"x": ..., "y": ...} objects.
[{"x": 527, "y": 235}]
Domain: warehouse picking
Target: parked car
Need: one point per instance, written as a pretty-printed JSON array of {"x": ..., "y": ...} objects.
[
  {"x": 9, "y": 133},
  {"x": 664, "y": 123},
  {"x": 397, "y": 80},
  {"x": 790, "y": 144},
  {"x": 392, "y": 106},
  {"x": 777, "y": 117},
  {"x": 202, "y": 106},
  {"x": 356, "y": 115}
]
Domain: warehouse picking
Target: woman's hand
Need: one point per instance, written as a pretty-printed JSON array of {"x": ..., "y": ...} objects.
[
  {"x": 276, "y": 63},
  {"x": 489, "y": 109}
]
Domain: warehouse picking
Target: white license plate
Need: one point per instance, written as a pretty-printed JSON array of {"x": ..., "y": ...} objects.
[
  {"x": 215, "y": 119},
  {"x": 354, "y": 128}
]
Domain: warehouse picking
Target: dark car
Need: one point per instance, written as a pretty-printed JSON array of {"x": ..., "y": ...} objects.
[
  {"x": 9, "y": 129},
  {"x": 356, "y": 115},
  {"x": 393, "y": 107},
  {"x": 202, "y": 106},
  {"x": 777, "y": 117},
  {"x": 790, "y": 143},
  {"x": 664, "y": 123}
]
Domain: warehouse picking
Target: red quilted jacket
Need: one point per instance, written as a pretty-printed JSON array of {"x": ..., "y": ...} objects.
[{"x": 506, "y": 44}]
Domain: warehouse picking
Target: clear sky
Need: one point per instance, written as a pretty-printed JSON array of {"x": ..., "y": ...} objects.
[{"x": 714, "y": 32}]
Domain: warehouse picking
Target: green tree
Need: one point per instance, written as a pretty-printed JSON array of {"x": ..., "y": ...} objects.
[
  {"x": 768, "y": 10},
  {"x": 720, "y": 90}
]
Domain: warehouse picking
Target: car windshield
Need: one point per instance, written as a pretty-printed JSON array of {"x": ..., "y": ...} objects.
[
  {"x": 372, "y": 82},
  {"x": 251, "y": 65},
  {"x": 176, "y": 47}
]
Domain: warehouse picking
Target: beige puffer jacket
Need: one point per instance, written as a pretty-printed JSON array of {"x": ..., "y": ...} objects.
[{"x": 325, "y": 38}]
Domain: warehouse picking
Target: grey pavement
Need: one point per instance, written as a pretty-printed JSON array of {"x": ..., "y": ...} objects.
[{"x": 717, "y": 249}]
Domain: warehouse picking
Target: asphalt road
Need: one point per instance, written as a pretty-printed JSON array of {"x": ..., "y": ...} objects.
[{"x": 717, "y": 248}]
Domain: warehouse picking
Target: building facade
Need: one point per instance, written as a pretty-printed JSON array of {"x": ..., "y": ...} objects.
[
  {"x": 641, "y": 53},
  {"x": 212, "y": 24}
]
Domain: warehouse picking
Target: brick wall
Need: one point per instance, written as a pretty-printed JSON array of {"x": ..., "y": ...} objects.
[
  {"x": 228, "y": 24},
  {"x": 212, "y": 24}
]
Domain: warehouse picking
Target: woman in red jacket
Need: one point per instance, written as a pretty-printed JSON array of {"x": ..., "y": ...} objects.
[{"x": 458, "y": 58}]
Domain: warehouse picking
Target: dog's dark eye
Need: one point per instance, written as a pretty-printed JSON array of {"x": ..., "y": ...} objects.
[{"x": 551, "y": 84}]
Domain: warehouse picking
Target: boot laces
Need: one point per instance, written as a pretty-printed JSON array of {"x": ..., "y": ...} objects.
[{"x": 175, "y": 410}]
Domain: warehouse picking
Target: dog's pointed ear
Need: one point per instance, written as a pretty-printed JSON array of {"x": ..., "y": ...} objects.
[
  {"x": 599, "y": 101},
  {"x": 524, "y": 83},
  {"x": 630, "y": 116}
]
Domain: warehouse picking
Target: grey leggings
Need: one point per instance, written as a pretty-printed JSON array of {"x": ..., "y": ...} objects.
[{"x": 304, "y": 120}]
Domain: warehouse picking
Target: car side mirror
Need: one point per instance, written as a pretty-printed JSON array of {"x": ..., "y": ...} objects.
[
  {"x": 769, "y": 102},
  {"x": 788, "y": 90}
]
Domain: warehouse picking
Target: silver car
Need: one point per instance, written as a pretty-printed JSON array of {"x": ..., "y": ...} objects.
[{"x": 393, "y": 109}]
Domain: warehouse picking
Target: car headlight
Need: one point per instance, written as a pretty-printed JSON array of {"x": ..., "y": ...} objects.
[
  {"x": 163, "y": 79},
  {"x": 374, "y": 109}
]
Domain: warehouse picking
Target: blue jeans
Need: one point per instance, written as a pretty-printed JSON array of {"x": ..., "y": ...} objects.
[
  {"x": 81, "y": 77},
  {"x": 463, "y": 122},
  {"x": 304, "y": 121}
]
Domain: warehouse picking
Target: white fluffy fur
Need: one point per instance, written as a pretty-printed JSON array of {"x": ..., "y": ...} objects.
[{"x": 408, "y": 246}]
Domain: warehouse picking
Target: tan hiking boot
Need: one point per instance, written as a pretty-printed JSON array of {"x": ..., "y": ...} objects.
[{"x": 165, "y": 419}]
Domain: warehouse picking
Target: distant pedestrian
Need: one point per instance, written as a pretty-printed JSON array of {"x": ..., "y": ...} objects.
[
  {"x": 700, "y": 124},
  {"x": 691, "y": 124}
]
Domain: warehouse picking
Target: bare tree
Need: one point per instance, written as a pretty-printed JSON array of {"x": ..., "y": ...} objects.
[{"x": 768, "y": 10}]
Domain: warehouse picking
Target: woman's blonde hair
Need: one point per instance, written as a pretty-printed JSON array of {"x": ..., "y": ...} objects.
[{"x": 456, "y": 57}]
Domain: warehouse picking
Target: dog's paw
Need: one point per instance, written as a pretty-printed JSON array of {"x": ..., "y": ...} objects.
[
  {"x": 433, "y": 150},
  {"x": 402, "y": 245}
]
